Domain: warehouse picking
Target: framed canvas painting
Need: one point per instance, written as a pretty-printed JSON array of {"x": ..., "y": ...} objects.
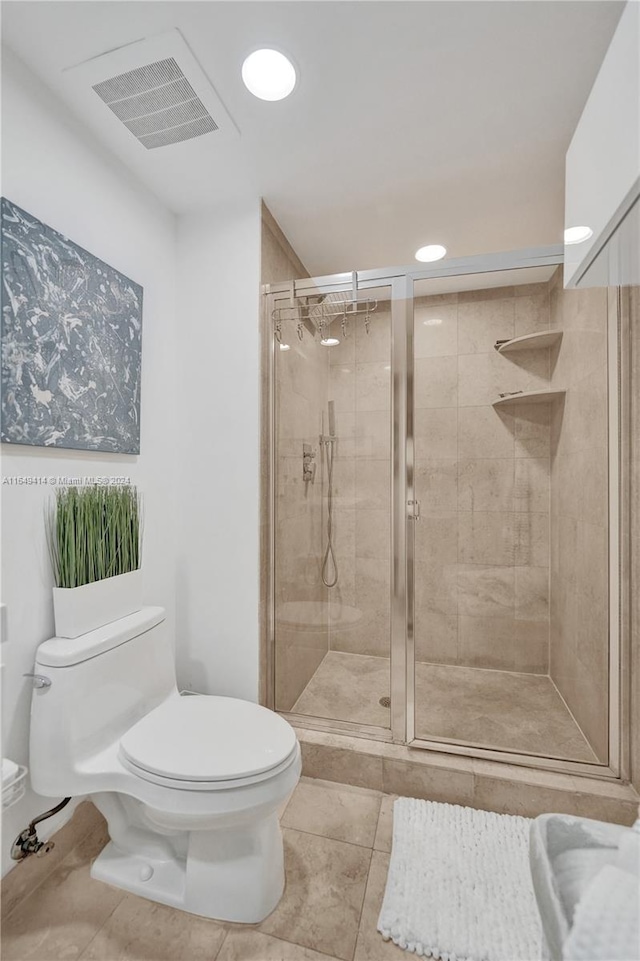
[{"x": 71, "y": 343}]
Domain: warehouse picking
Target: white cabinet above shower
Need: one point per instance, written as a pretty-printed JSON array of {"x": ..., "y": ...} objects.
[{"x": 602, "y": 189}]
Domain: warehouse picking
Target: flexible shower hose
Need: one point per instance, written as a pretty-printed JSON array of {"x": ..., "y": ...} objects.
[{"x": 329, "y": 559}]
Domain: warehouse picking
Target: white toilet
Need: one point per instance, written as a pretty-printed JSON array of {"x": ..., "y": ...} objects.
[{"x": 190, "y": 786}]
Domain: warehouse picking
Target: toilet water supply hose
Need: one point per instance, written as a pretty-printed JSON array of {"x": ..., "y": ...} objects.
[{"x": 28, "y": 842}]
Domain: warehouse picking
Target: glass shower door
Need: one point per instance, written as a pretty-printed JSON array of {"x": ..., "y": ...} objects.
[
  {"x": 332, "y": 506},
  {"x": 510, "y": 553}
]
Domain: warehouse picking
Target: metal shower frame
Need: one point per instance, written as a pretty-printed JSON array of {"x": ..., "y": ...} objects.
[{"x": 401, "y": 281}]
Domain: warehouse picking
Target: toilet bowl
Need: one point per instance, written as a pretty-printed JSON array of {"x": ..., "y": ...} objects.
[{"x": 190, "y": 786}]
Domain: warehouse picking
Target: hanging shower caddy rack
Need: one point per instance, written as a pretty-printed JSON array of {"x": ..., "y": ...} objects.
[{"x": 317, "y": 312}]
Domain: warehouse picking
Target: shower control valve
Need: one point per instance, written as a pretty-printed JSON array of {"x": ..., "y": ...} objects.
[{"x": 308, "y": 465}]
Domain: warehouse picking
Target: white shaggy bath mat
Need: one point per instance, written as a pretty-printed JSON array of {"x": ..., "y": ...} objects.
[{"x": 459, "y": 886}]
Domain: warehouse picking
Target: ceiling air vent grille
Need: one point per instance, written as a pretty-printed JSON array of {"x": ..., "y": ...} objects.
[{"x": 157, "y": 104}]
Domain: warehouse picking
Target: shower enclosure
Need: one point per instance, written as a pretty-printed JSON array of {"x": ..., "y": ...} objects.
[{"x": 445, "y": 510}]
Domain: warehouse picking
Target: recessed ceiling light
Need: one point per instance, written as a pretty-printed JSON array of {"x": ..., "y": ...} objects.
[
  {"x": 285, "y": 347},
  {"x": 268, "y": 75},
  {"x": 330, "y": 342},
  {"x": 577, "y": 235},
  {"x": 432, "y": 322},
  {"x": 431, "y": 252}
]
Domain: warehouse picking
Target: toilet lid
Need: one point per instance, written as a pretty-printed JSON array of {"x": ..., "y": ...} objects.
[{"x": 207, "y": 738}]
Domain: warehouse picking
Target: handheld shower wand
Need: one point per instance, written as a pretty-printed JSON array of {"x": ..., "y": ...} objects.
[{"x": 329, "y": 562}]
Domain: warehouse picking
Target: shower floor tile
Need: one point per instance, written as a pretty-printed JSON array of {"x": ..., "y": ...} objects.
[
  {"x": 348, "y": 687},
  {"x": 497, "y": 709}
]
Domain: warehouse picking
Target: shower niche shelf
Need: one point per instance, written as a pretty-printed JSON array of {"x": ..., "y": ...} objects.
[
  {"x": 544, "y": 338},
  {"x": 529, "y": 397}
]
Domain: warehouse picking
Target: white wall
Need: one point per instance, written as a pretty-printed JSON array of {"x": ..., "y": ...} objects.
[
  {"x": 218, "y": 486},
  {"x": 603, "y": 161},
  {"x": 52, "y": 168}
]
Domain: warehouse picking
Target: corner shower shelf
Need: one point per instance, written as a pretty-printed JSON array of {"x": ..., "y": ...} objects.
[
  {"x": 544, "y": 338},
  {"x": 528, "y": 397}
]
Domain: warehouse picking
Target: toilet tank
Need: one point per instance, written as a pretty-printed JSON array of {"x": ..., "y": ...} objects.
[{"x": 101, "y": 684}]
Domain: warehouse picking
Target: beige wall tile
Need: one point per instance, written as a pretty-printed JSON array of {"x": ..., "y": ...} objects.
[
  {"x": 372, "y": 484},
  {"x": 486, "y": 537},
  {"x": 531, "y": 647},
  {"x": 437, "y": 537},
  {"x": 486, "y": 591},
  {"x": 373, "y": 386},
  {"x": 436, "y": 382},
  {"x": 338, "y": 764},
  {"x": 486, "y": 642},
  {"x": 436, "y": 484},
  {"x": 436, "y": 433},
  {"x": 532, "y": 429},
  {"x": 484, "y": 432},
  {"x": 344, "y": 483},
  {"x": 489, "y": 293},
  {"x": 435, "y": 330},
  {"x": 509, "y": 797},
  {"x": 436, "y": 636},
  {"x": 342, "y": 387},
  {"x": 531, "y": 540},
  {"x": 433, "y": 784},
  {"x": 482, "y": 323},
  {"x": 373, "y": 434},
  {"x": 532, "y": 484},
  {"x": 486, "y": 484},
  {"x": 373, "y": 534},
  {"x": 374, "y": 346},
  {"x": 298, "y": 655},
  {"x": 532, "y": 593},
  {"x": 532, "y": 314},
  {"x": 436, "y": 588}
]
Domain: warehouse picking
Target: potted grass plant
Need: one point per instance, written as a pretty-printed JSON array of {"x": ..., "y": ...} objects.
[{"x": 94, "y": 536}]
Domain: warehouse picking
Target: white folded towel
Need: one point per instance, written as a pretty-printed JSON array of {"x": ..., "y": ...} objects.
[{"x": 607, "y": 919}]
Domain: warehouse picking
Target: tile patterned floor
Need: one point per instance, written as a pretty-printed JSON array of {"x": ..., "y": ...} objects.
[
  {"x": 337, "y": 843},
  {"x": 498, "y": 709}
]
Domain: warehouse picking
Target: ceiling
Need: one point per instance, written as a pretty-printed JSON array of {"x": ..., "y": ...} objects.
[{"x": 412, "y": 122}]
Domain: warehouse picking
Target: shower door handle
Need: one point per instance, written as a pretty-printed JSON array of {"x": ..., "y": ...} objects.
[{"x": 414, "y": 510}]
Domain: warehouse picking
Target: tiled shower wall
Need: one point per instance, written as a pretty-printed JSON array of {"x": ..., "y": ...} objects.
[
  {"x": 302, "y": 378},
  {"x": 579, "y": 509},
  {"x": 359, "y": 385},
  {"x": 482, "y": 477}
]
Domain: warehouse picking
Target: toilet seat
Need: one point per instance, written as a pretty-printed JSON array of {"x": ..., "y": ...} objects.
[{"x": 208, "y": 743}]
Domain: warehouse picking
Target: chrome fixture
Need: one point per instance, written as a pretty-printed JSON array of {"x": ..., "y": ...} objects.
[
  {"x": 308, "y": 465},
  {"x": 39, "y": 680},
  {"x": 414, "y": 510},
  {"x": 318, "y": 311},
  {"x": 27, "y": 842}
]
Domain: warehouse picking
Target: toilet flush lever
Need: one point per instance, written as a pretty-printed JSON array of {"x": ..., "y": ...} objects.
[{"x": 39, "y": 680}]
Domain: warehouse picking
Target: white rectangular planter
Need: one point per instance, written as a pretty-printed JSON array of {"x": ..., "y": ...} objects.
[{"x": 78, "y": 610}]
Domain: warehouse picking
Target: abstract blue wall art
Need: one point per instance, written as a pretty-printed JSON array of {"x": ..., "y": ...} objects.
[{"x": 71, "y": 343}]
